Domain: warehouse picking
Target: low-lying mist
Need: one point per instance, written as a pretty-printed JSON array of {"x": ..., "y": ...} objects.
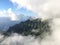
[
  {"x": 49, "y": 39},
  {"x": 48, "y": 10},
  {"x": 16, "y": 39}
]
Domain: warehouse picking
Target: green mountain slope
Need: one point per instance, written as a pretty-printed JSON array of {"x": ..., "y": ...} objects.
[{"x": 29, "y": 27}]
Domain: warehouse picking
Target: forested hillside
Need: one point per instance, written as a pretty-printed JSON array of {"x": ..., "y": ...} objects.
[{"x": 29, "y": 27}]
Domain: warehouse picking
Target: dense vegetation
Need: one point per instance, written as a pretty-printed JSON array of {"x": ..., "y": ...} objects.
[{"x": 29, "y": 27}]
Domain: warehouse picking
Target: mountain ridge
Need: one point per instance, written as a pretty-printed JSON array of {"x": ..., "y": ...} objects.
[{"x": 28, "y": 27}]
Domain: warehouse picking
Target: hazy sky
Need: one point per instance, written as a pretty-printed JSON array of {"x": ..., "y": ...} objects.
[{"x": 8, "y": 9}]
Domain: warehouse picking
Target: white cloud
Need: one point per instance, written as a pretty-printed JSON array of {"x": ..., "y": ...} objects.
[
  {"x": 16, "y": 39},
  {"x": 22, "y": 3},
  {"x": 3, "y": 13},
  {"x": 8, "y": 13},
  {"x": 11, "y": 14},
  {"x": 44, "y": 8}
]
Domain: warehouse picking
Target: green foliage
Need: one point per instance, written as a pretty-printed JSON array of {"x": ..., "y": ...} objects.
[{"x": 30, "y": 27}]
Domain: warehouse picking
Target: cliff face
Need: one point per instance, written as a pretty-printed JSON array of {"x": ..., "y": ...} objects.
[{"x": 29, "y": 27}]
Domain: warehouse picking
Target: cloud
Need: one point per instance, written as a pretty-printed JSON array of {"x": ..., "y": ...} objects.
[
  {"x": 22, "y": 3},
  {"x": 44, "y": 8},
  {"x": 16, "y": 39},
  {"x": 8, "y": 13},
  {"x": 11, "y": 14}
]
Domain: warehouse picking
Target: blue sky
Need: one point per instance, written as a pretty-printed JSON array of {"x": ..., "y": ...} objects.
[{"x": 6, "y": 4}]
